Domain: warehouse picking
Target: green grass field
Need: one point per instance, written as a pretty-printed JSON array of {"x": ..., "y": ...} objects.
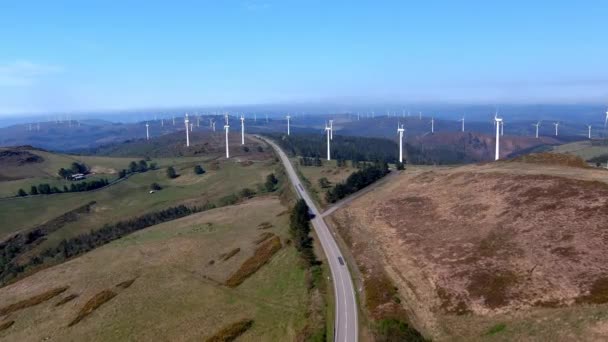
[
  {"x": 131, "y": 197},
  {"x": 46, "y": 171},
  {"x": 329, "y": 170},
  {"x": 583, "y": 149},
  {"x": 177, "y": 294}
]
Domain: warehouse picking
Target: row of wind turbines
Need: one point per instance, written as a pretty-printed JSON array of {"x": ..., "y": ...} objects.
[{"x": 498, "y": 124}]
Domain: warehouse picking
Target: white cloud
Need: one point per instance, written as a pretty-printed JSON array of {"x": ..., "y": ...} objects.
[{"x": 24, "y": 73}]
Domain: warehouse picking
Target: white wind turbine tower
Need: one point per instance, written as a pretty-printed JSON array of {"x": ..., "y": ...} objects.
[
  {"x": 331, "y": 129},
  {"x": 432, "y": 125},
  {"x": 462, "y": 123},
  {"x": 589, "y": 131},
  {"x": 419, "y": 115},
  {"x": 358, "y": 117},
  {"x": 226, "y": 127},
  {"x": 497, "y": 123},
  {"x": 213, "y": 125},
  {"x": 162, "y": 122},
  {"x": 328, "y": 130},
  {"x": 186, "y": 121},
  {"x": 242, "y": 130},
  {"x": 288, "y": 117},
  {"x": 556, "y": 124},
  {"x": 255, "y": 118},
  {"x": 147, "y": 131},
  {"x": 400, "y": 129},
  {"x": 191, "y": 126},
  {"x": 537, "y": 125},
  {"x": 606, "y": 120},
  {"x": 198, "y": 120},
  {"x": 173, "y": 119}
]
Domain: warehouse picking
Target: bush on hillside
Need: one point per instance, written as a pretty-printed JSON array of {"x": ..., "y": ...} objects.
[
  {"x": 199, "y": 170},
  {"x": 171, "y": 172}
]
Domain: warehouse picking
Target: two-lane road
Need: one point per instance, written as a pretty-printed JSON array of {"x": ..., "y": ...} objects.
[{"x": 346, "y": 324}]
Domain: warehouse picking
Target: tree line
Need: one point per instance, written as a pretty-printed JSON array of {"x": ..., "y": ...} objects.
[
  {"x": 299, "y": 229},
  {"x": 46, "y": 189},
  {"x": 357, "y": 181},
  {"x": 83, "y": 243}
]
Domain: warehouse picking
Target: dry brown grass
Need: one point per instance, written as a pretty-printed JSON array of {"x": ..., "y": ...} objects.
[
  {"x": 263, "y": 237},
  {"x": 93, "y": 303},
  {"x": 6, "y": 325},
  {"x": 226, "y": 256},
  {"x": 66, "y": 299},
  {"x": 35, "y": 300},
  {"x": 552, "y": 159},
  {"x": 126, "y": 284},
  {"x": 262, "y": 255},
  {"x": 231, "y": 332}
]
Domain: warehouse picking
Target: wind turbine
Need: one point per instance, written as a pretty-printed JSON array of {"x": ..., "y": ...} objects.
[
  {"x": 328, "y": 129},
  {"x": 419, "y": 115},
  {"x": 242, "y": 130},
  {"x": 191, "y": 126},
  {"x": 213, "y": 125},
  {"x": 589, "y": 132},
  {"x": 288, "y": 117},
  {"x": 432, "y": 125},
  {"x": 198, "y": 120},
  {"x": 497, "y": 123},
  {"x": 186, "y": 121},
  {"x": 462, "y": 123},
  {"x": 502, "y": 128},
  {"x": 162, "y": 122},
  {"x": 173, "y": 119},
  {"x": 537, "y": 125},
  {"x": 400, "y": 130},
  {"x": 606, "y": 120},
  {"x": 226, "y": 127},
  {"x": 147, "y": 131},
  {"x": 331, "y": 129},
  {"x": 556, "y": 124}
]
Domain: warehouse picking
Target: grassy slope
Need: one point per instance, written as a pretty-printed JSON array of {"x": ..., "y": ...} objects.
[
  {"x": 131, "y": 197},
  {"x": 364, "y": 226},
  {"x": 329, "y": 170},
  {"x": 46, "y": 171},
  {"x": 175, "y": 295},
  {"x": 583, "y": 149}
]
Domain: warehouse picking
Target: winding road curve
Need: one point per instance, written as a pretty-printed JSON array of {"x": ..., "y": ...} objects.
[{"x": 346, "y": 321}]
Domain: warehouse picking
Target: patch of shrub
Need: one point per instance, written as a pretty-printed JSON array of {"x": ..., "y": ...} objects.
[
  {"x": 66, "y": 299},
  {"x": 95, "y": 302},
  {"x": 396, "y": 330},
  {"x": 262, "y": 255},
  {"x": 35, "y": 300},
  {"x": 126, "y": 284},
  {"x": 231, "y": 332},
  {"x": 6, "y": 325},
  {"x": 230, "y": 254},
  {"x": 198, "y": 170}
]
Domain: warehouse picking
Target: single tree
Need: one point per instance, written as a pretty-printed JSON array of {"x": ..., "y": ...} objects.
[
  {"x": 171, "y": 172},
  {"x": 155, "y": 186},
  {"x": 33, "y": 190},
  {"x": 199, "y": 170},
  {"x": 21, "y": 193},
  {"x": 133, "y": 167},
  {"x": 324, "y": 182},
  {"x": 271, "y": 182}
]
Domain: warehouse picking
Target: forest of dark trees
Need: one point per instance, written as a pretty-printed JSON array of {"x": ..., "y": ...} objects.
[
  {"x": 313, "y": 148},
  {"x": 342, "y": 147},
  {"x": 357, "y": 181}
]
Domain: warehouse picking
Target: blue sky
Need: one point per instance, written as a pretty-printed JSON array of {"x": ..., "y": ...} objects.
[{"x": 79, "y": 55}]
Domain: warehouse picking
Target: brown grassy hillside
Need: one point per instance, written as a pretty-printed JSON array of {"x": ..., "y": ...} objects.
[{"x": 476, "y": 246}]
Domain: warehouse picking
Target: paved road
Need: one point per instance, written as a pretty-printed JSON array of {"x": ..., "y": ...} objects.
[{"x": 346, "y": 324}]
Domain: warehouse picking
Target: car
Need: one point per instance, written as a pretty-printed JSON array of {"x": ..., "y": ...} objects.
[{"x": 341, "y": 261}]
